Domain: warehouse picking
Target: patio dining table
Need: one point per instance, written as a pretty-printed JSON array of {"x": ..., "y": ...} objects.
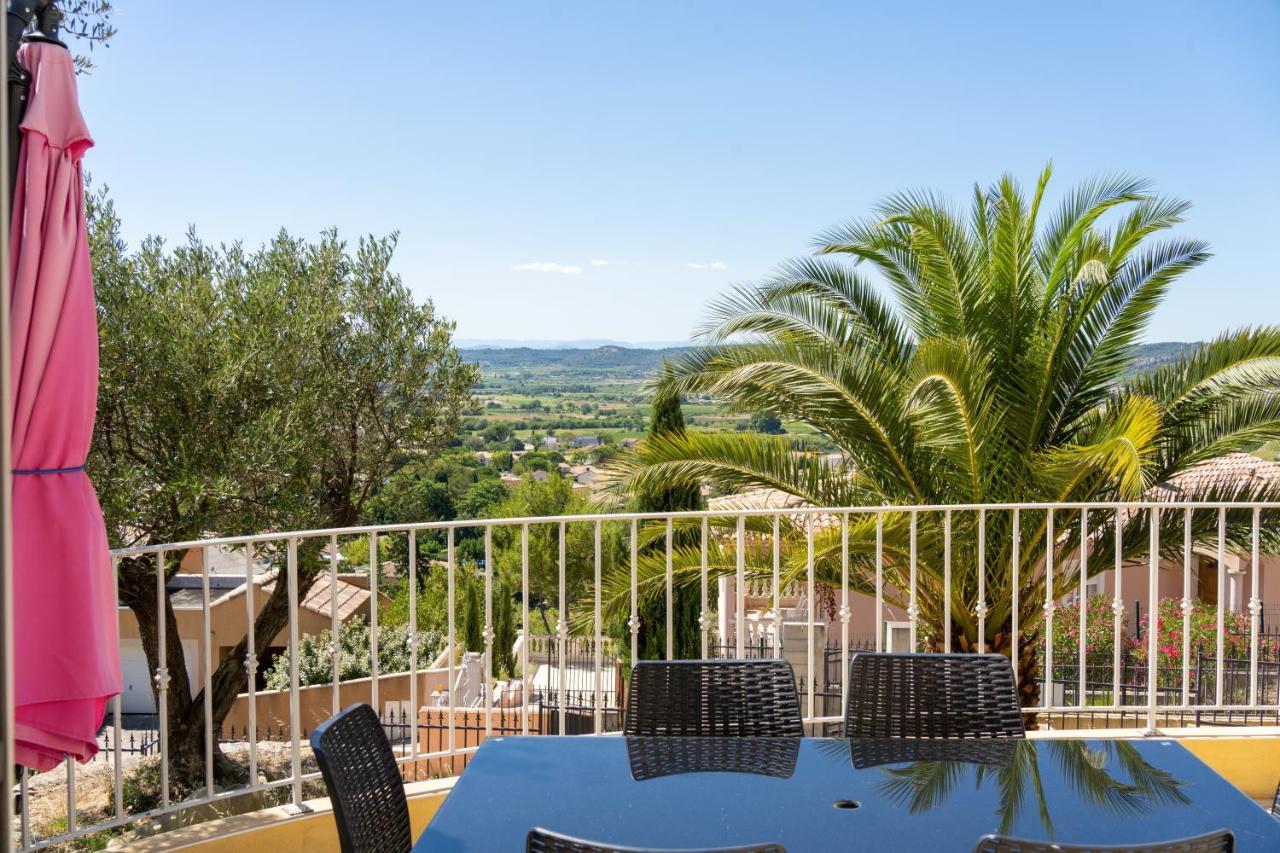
[{"x": 829, "y": 794}]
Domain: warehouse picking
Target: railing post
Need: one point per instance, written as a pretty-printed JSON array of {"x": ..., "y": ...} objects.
[
  {"x": 633, "y": 624},
  {"x": 596, "y": 639},
  {"x": 845, "y": 614},
  {"x": 450, "y": 641},
  {"x": 487, "y": 635},
  {"x": 525, "y": 681},
  {"x": 913, "y": 608},
  {"x": 562, "y": 625},
  {"x": 670, "y": 596},
  {"x": 1084, "y": 608},
  {"x": 1222, "y": 575},
  {"x": 1050, "y": 549},
  {"x": 1153, "y": 621},
  {"x": 810, "y": 675},
  {"x": 1117, "y": 611},
  {"x": 251, "y": 663},
  {"x": 118, "y": 769},
  {"x": 704, "y": 614},
  {"x": 1187, "y": 606},
  {"x": 207, "y": 665},
  {"x": 295, "y": 715},
  {"x": 740, "y": 594},
  {"x": 373, "y": 623},
  {"x": 162, "y": 677},
  {"x": 879, "y": 581},
  {"x": 777, "y": 585},
  {"x": 1015, "y": 560},
  {"x": 1255, "y": 606},
  {"x": 335, "y": 695},
  {"x": 412, "y": 642},
  {"x": 981, "y": 609}
]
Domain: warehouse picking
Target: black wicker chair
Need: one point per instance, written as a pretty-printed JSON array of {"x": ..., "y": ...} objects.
[
  {"x": 713, "y": 698},
  {"x": 1221, "y": 841},
  {"x": 931, "y": 696},
  {"x": 364, "y": 784},
  {"x": 545, "y": 841},
  {"x": 1275, "y": 802}
]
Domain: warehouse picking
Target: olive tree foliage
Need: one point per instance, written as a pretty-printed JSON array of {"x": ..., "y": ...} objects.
[{"x": 251, "y": 390}]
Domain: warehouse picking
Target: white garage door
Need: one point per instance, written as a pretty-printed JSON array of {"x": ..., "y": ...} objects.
[{"x": 137, "y": 697}]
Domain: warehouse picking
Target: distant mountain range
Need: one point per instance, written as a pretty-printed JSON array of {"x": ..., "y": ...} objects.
[
  {"x": 583, "y": 343},
  {"x": 567, "y": 358}
]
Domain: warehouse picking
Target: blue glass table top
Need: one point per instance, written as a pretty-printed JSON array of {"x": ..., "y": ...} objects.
[{"x": 826, "y": 794}]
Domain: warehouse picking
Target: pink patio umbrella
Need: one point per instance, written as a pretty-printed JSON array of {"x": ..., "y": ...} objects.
[{"x": 66, "y": 654}]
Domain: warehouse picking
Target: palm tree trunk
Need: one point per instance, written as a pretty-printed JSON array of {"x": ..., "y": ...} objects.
[{"x": 1026, "y": 669}]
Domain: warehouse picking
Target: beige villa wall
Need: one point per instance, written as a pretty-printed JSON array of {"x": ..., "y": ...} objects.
[
  {"x": 228, "y": 623},
  {"x": 228, "y": 619},
  {"x": 1134, "y": 590},
  {"x": 1134, "y": 582}
]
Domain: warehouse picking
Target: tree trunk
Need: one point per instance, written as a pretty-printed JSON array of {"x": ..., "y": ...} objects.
[
  {"x": 1026, "y": 668},
  {"x": 229, "y": 678}
]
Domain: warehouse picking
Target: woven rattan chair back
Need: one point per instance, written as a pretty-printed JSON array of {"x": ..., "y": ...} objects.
[
  {"x": 713, "y": 698},
  {"x": 545, "y": 841},
  {"x": 1221, "y": 841},
  {"x": 931, "y": 696},
  {"x": 1275, "y": 802},
  {"x": 364, "y": 784}
]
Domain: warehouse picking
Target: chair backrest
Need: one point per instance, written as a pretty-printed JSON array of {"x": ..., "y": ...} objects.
[
  {"x": 713, "y": 698},
  {"x": 1275, "y": 802},
  {"x": 1220, "y": 841},
  {"x": 364, "y": 784},
  {"x": 931, "y": 696},
  {"x": 542, "y": 840}
]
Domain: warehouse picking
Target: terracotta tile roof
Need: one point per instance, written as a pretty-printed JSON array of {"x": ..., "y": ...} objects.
[
  {"x": 1224, "y": 477},
  {"x": 770, "y": 499},
  {"x": 350, "y": 598}
]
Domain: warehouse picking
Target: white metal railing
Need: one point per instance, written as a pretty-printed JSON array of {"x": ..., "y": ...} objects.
[{"x": 866, "y": 570}]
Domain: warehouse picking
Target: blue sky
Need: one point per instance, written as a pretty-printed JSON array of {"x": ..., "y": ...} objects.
[{"x": 691, "y": 146}]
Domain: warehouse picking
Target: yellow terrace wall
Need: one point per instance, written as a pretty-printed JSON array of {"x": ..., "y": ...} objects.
[{"x": 274, "y": 830}]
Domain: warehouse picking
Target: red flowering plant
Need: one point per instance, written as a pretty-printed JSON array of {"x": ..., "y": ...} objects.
[
  {"x": 1100, "y": 634},
  {"x": 1203, "y": 633}
]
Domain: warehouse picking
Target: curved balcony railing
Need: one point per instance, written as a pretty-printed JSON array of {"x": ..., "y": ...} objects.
[{"x": 901, "y": 577}]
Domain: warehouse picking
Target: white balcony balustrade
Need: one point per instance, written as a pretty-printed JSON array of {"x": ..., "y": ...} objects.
[{"x": 1015, "y": 579}]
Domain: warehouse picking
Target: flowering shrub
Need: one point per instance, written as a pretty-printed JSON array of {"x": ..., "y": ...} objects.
[
  {"x": 1100, "y": 636},
  {"x": 1204, "y": 635}
]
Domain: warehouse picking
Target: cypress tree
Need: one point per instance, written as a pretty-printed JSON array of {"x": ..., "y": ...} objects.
[
  {"x": 472, "y": 619},
  {"x": 668, "y": 419}
]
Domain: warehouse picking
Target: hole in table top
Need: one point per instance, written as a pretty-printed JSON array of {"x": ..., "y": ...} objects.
[{"x": 847, "y": 804}]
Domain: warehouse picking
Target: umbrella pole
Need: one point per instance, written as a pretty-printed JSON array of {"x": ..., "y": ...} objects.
[
  {"x": 8, "y": 24},
  {"x": 13, "y": 99},
  {"x": 17, "y": 82}
]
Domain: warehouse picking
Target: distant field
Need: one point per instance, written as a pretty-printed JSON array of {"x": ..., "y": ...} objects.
[{"x": 607, "y": 389}]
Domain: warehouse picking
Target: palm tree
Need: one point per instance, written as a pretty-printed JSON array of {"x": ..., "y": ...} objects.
[{"x": 1002, "y": 369}]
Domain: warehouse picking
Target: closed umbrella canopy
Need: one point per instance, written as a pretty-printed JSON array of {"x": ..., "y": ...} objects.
[{"x": 66, "y": 653}]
